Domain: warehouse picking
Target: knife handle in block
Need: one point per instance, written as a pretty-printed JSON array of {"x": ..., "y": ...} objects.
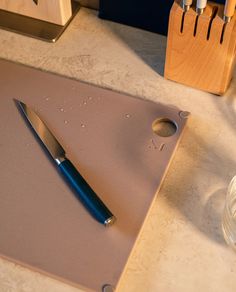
[
  {"x": 229, "y": 8},
  {"x": 186, "y": 4},
  {"x": 85, "y": 194},
  {"x": 201, "y": 5}
]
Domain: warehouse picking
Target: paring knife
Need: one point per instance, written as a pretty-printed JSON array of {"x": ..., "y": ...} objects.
[{"x": 83, "y": 191}]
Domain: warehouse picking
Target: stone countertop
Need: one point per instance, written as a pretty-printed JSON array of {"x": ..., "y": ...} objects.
[{"x": 181, "y": 247}]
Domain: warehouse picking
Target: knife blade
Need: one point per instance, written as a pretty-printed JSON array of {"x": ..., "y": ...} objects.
[{"x": 83, "y": 191}]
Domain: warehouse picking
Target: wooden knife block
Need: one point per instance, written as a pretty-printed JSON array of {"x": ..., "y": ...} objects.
[
  {"x": 201, "y": 50},
  {"x": 43, "y": 19},
  {"x": 57, "y": 11}
]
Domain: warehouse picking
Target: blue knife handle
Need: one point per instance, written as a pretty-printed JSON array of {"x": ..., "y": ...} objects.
[{"x": 85, "y": 193}]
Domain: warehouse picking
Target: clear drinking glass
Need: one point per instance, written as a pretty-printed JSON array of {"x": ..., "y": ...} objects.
[{"x": 229, "y": 215}]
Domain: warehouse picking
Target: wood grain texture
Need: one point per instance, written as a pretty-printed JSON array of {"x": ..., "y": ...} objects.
[
  {"x": 200, "y": 61},
  {"x": 55, "y": 11}
]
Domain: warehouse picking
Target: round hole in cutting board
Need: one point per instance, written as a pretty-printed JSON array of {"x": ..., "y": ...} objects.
[
  {"x": 164, "y": 127},
  {"x": 107, "y": 288}
]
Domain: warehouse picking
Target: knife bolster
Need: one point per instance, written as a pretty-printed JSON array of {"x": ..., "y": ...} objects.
[{"x": 59, "y": 160}]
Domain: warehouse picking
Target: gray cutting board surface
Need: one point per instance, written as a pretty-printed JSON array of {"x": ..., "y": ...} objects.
[{"x": 109, "y": 138}]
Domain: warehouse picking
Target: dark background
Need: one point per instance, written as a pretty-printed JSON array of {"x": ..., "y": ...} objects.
[{"x": 151, "y": 15}]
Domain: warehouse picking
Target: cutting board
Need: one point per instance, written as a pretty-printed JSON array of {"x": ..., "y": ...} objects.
[{"x": 114, "y": 141}]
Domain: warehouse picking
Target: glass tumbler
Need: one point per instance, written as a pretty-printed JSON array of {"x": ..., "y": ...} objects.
[{"x": 229, "y": 215}]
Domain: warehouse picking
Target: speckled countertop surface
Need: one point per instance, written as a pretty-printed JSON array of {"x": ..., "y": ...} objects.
[{"x": 181, "y": 247}]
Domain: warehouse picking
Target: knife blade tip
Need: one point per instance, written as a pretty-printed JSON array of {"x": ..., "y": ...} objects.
[
  {"x": 21, "y": 106},
  {"x": 16, "y": 100},
  {"x": 20, "y": 103}
]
